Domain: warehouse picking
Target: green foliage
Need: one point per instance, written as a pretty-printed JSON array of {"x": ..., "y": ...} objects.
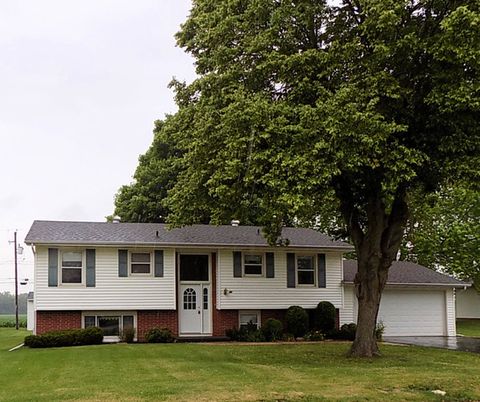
[
  {"x": 272, "y": 330},
  {"x": 300, "y": 103},
  {"x": 8, "y": 321},
  {"x": 159, "y": 335},
  {"x": 127, "y": 335},
  {"x": 314, "y": 336},
  {"x": 296, "y": 320},
  {"x": 74, "y": 337},
  {"x": 444, "y": 232},
  {"x": 324, "y": 317},
  {"x": 247, "y": 333}
]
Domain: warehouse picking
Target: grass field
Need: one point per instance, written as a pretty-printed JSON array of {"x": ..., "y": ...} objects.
[
  {"x": 10, "y": 319},
  {"x": 213, "y": 372},
  {"x": 468, "y": 327}
]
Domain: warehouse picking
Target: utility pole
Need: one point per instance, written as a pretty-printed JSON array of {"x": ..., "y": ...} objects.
[
  {"x": 16, "y": 280},
  {"x": 15, "y": 251}
]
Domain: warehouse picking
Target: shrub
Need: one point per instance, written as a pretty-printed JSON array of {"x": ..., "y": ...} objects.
[
  {"x": 159, "y": 335},
  {"x": 272, "y": 330},
  {"x": 347, "y": 331},
  {"x": 379, "y": 330},
  {"x": 127, "y": 335},
  {"x": 296, "y": 319},
  {"x": 314, "y": 336},
  {"x": 287, "y": 337},
  {"x": 72, "y": 337},
  {"x": 324, "y": 317},
  {"x": 248, "y": 333}
]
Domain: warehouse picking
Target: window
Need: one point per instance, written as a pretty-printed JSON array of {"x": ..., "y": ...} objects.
[
  {"x": 249, "y": 318},
  {"x": 253, "y": 264},
  {"x": 194, "y": 267},
  {"x": 189, "y": 299},
  {"x": 205, "y": 298},
  {"x": 90, "y": 321},
  {"x": 140, "y": 263},
  {"x": 305, "y": 270},
  {"x": 71, "y": 266},
  {"x": 111, "y": 323}
]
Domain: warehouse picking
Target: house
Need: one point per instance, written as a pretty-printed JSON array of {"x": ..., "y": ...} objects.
[
  {"x": 468, "y": 303},
  {"x": 416, "y": 301},
  {"x": 201, "y": 280}
]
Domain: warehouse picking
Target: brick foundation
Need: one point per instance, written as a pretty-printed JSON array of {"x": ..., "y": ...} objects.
[
  {"x": 147, "y": 319},
  {"x": 57, "y": 320}
]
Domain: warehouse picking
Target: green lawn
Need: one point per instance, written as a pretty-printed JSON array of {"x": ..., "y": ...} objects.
[
  {"x": 205, "y": 372},
  {"x": 468, "y": 327}
]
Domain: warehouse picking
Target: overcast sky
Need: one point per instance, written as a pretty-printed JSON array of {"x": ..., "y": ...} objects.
[{"x": 81, "y": 83}]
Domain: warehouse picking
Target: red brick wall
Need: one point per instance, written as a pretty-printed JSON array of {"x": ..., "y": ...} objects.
[
  {"x": 147, "y": 319},
  {"x": 277, "y": 314},
  {"x": 57, "y": 320}
]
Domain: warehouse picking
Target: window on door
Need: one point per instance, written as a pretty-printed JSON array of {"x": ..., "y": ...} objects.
[
  {"x": 189, "y": 299},
  {"x": 194, "y": 268}
]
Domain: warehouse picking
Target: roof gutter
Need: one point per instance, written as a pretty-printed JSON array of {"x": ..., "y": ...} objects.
[
  {"x": 200, "y": 245},
  {"x": 449, "y": 285}
]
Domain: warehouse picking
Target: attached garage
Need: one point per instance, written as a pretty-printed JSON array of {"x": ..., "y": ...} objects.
[
  {"x": 406, "y": 312},
  {"x": 416, "y": 301}
]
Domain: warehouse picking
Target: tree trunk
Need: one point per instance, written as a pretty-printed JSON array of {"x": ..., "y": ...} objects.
[
  {"x": 377, "y": 241},
  {"x": 369, "y": 283}
]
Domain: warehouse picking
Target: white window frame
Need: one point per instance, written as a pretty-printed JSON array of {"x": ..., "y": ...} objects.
[
  {"x": 314, "y": 261},
  {"x": 244, "y": 254},
  {"x": 60, "y": 267},
  {"x": 120, "y": 314},
  {"x": 130, "y": 252},
  {"x": 249, "y": 312}
]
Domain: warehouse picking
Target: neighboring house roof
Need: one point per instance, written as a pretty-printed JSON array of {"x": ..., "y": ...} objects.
[
  {"x": 406, "y": 273},
  {"x": 30, "y": 296},
  {"x": 58, "y": 232}
]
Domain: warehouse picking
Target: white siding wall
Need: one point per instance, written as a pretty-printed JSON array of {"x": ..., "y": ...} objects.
[
  {"x": 468, "y": 303},
  {"x": 450, "y": 304},
  {"x": 111, "y": 292},
  {"x": 272, "y": 293},
  {"x": 348, "y": 313}
]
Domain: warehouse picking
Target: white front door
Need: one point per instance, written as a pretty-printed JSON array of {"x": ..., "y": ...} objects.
[
  {"x": 191, "y": 315},
  {"x": 194, "y": 294}
]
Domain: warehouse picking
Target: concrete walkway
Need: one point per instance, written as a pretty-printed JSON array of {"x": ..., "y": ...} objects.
[{"x": 462, "y": 343}]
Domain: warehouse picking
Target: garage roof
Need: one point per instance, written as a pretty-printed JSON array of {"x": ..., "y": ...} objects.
[
  {"x": 103, "y": 233},
  {"x": 406, "y": 273}
]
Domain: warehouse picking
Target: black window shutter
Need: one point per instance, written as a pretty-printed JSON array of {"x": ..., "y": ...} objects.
[
  {"x": 237, "y": 264},
  {"x": 322, "y": 271},
  {"x": 159, "y": 263},
  {"x": 53, "y": 267},
  {"x": 90, "y": 267},
  {"x": 122, "y": 262},
  {"x": 290, "y": 270},
  {"x": 270, "y": 263}
]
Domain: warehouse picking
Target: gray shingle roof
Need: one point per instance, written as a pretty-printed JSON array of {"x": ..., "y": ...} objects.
[
  {"x": 406, "y": 273},
  {"x": 58, "y": 232}
]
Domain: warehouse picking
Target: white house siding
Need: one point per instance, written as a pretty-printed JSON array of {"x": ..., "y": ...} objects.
[
  {"x": 272, "y": 293},
  {"x": 468, "y": 303},
  {"x": 409, "y": 312},
  {"x": 111, "y": 291},
  {"x": 349, "y": 310},
  {"x": 30, "y": 315}
]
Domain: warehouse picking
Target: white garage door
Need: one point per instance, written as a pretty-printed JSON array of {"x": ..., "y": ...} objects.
[{"x": 413, "y": 313}]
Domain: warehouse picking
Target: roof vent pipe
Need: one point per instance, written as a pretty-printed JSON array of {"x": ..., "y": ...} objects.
[{"x": 235, "y": 222}]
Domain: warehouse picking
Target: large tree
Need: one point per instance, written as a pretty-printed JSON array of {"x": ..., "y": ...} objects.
[
  {"x": 443, "y": 232},
  {"x": 300, "y": 105}
]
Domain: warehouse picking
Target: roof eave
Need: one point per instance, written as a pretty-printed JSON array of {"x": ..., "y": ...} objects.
[
  {"x": 397, "y": 284},
  {"x": 177, "y": 244}
]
